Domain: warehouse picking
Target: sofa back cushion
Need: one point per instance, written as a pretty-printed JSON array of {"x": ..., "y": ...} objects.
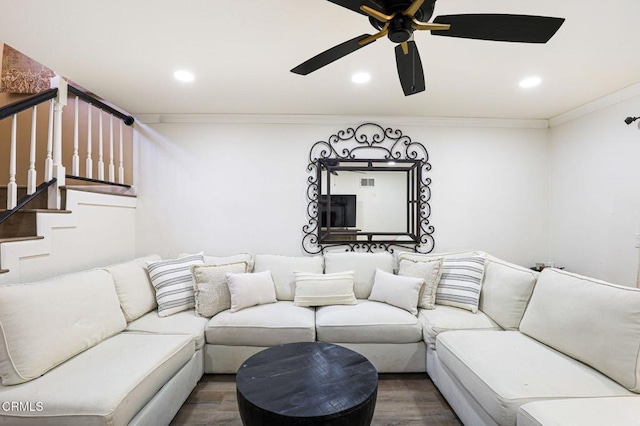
[
  {"x": 43, "y": 324},
  {"x": 506, "y": 290},
  {"x": 226, "y": 260},
  {"x": 593, "y": 321},
  {"x": 428, "y": 257},
  {"x": 364, "y": 266},
  {"x": 282, "y": 268},
  {"x": 137, "y": 295}
]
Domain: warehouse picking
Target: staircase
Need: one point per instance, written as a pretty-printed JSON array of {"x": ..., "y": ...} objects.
[{"x": 29, "y": 214}]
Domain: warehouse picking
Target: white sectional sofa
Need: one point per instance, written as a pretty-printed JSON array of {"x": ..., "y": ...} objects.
[
  {"x": 67, "y": 358},
  {"x": 93, "y": 348},
  {"x": 573, "y": 360}
]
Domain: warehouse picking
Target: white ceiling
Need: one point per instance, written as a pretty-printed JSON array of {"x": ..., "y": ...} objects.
[{"x": 241, "y": 52}]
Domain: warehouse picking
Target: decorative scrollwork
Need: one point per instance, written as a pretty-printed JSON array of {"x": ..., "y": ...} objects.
[{"x": 368, "y": 141}]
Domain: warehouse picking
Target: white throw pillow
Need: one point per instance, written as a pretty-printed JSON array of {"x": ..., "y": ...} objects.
[
  {"x": 250, "y": 289},
  {"x": 173, "y": 283},
  {"x": 210, "y": 287},
  {"x": 460, "y": 282},
  {"x": 401, "y": 292},
  {"x": 428, "y": 270},
  {"x": 324, "y": 289}
]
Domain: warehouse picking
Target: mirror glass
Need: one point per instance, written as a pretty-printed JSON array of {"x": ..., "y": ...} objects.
[{"x": 368, "y": 201}]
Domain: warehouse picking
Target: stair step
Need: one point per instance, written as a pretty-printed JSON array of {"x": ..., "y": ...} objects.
[
  {"x": 101, "y": 189},
  {"x": 40, "y": 202},
  {"x": 37, "y": 211},
  {"x": 13, "y": 240},
  {"x": 23, "y": 223}
]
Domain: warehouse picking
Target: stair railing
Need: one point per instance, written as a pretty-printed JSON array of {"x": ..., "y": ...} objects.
[
  {"x": 93, "y": 103},
  {"x": 12, "y": 111},
  {"x": 54, "y": 170}
]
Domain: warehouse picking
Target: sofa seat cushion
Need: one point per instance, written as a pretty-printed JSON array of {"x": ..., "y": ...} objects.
[
  {"x": 447, "y": 318},
  {"x": 263, "y": 325},
  {"x": 615, "y": 411},
  {"x": 105, "y": 385},
  {"x": 185, "y": 322},
  {"x": 43, "y": 324},
  {"x": 506, "y": 369},
  {"x": 367, "y": 322}
]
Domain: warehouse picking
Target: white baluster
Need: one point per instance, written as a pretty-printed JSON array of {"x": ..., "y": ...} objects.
[
  {"x": 58, "y": 168},
  {"x": 75, "y": 160},
  {"x": 112, "y": 170},
  {"x": 89, "y": 162},
  {"x": 12, "y": 187},
  {"x": 32, "y": 174},
  {"x": 59, "y": 173},
  {"x": 48, "y": 162},
  {"x": 100, "y": 150},
  {"x": 121, "y": 165}
]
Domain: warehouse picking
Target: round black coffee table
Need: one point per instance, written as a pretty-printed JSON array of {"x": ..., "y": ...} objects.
[{"x": 307, "y": 384}]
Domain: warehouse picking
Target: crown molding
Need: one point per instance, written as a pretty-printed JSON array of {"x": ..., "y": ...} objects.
[
  {"x": 596, "y": 105},
  {"x": 340, "y": 119},
  {"x": 588, "y": 108}
]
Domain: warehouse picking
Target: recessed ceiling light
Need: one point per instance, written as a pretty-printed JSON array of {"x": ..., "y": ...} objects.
[
  {"x": 184, "y": 76},
  {"x": 530, "y": 82},
  {"x": 361, "y": 77}
]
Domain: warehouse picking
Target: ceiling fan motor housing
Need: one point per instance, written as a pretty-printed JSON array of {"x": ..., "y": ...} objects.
[{"x": 400, "y": 29}]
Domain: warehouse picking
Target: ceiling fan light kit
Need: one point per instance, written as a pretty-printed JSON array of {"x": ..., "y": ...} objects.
[{"x": 398, "y": 19}]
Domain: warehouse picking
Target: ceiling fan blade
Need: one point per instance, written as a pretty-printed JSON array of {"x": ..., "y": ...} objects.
[
  {"x": 382, "y": 17},
  {"x": 499, "y": 27},
  {"x": 328, "y": 56},
  {"x": 356, "y": 4},
  {"x": 410, "y": 68},
  {"x": 413, "y": 8}
]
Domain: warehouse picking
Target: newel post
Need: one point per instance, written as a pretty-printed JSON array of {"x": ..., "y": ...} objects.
[{"x": 58, "y": 169}]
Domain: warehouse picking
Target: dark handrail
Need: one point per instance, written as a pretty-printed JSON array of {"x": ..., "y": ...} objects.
[
  {"x": 126, "y": 119},
  {"x": 30, "y": 102},
  {"x": 24, "y": 201},
  {"x": 105, "y": 182}
]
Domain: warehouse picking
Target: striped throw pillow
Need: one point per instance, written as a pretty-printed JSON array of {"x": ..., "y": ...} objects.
[
  {"x": 173, "y": 282},
  {"x": 460, "y": 282}
]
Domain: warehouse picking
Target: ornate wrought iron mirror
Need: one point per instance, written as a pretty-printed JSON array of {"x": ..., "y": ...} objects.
[{"x": 368, "y": 190}]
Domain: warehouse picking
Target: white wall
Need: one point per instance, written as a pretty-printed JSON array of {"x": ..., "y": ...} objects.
[
  {"x": 595, "y": 194},
  {"x": 231, "y": 187}
]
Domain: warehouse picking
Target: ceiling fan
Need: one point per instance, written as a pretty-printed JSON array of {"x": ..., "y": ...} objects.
[{"x": 398, "y": 19}]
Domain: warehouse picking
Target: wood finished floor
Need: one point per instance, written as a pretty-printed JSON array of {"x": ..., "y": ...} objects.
[{"x": 403, "y": 399}]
